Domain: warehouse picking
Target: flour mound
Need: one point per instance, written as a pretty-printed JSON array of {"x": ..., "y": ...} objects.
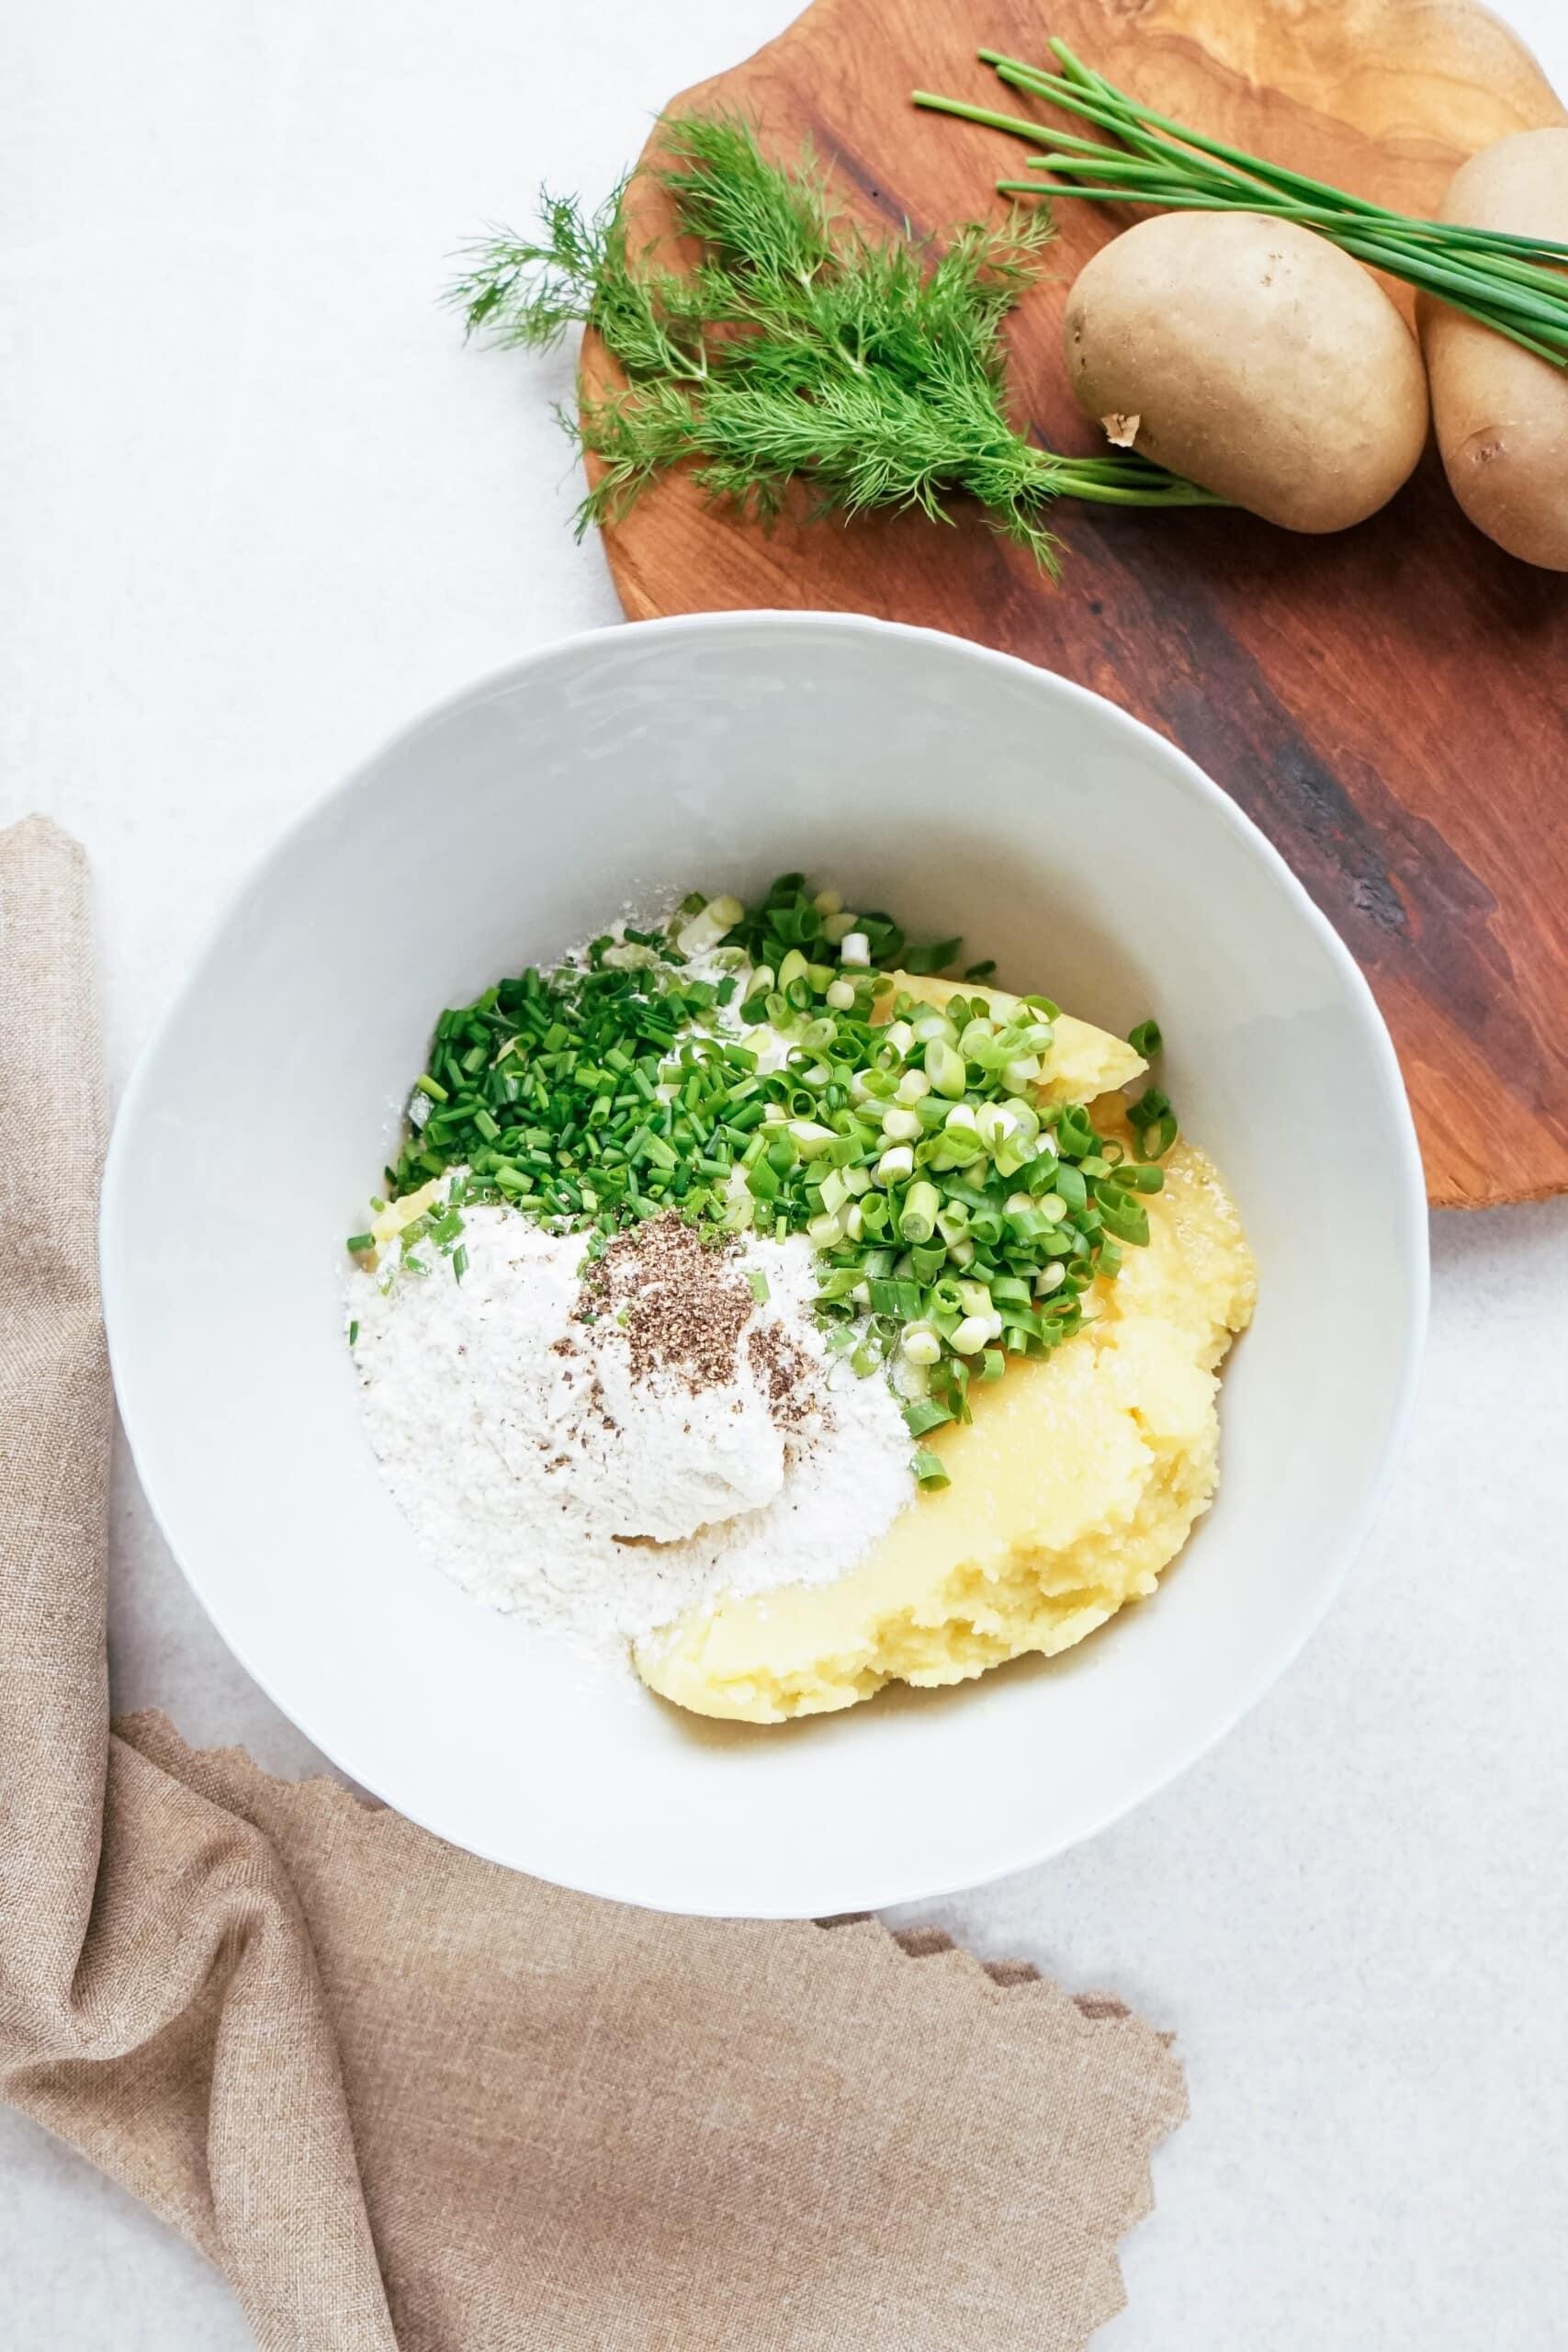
[{"x": 602, "y": 1449}]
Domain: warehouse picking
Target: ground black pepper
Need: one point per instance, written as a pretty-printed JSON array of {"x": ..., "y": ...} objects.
[{"x": 681, "y": 1301}]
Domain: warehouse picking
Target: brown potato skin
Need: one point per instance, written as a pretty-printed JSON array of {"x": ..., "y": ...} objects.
[
  {"x": 1502, "y": 415},
  {"x": 1260, "y": 361}
]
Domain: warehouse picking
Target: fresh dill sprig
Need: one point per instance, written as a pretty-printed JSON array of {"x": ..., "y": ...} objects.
[{"x": 797, "y": 348}]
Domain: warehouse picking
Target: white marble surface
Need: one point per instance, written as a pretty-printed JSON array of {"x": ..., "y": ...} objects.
[{"x": 261, "y": 506}]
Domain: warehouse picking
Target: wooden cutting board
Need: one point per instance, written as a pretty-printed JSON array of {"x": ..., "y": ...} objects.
[{"x": 1391, "y": 704}]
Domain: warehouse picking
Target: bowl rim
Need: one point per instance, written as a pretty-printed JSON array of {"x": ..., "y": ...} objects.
[{"x": 1020, "y": 1852}]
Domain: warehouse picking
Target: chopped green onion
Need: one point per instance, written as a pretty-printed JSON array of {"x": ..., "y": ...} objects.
[
  {"x": 918, "y": 1215},
  {"x": 931, "y": 1470},
  {"x": 1075, "y": 1132},
  {"x": 1154, "y": 1123},
  {"x": 944, "y": 1068},
  {"x": 1127, "y": 1218},
  {"x": 759, "y": 1282},
  {"x": 1146, "y": 1039},
  {"x": 896, "y": 1298},
  {"x": 935, "y": 958}
]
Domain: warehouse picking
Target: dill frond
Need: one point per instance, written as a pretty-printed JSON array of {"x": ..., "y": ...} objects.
[
  {"x": 774, "y": 225},
  {"x": 797, "y": 349}
]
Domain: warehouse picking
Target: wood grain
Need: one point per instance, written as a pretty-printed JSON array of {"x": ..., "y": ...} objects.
[{"x": 1391, "y": 704}]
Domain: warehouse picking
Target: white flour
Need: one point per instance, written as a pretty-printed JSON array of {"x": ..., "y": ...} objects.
[{"x": 540, "y": 1472}]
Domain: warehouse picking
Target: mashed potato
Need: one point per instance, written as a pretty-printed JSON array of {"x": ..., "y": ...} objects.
[{"x": 1076, "y": 1482}]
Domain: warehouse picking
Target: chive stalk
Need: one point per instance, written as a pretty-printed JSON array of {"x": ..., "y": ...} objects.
[{"x": 1512, "y": 284}]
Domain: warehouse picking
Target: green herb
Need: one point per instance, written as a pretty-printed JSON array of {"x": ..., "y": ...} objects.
[
  {"x": 957, "y": 1222},
  {"x": 354, "y": 1334},
  {"x": 797, "y": 348},
  {"x": 1127, "y": 1219},
  {"x": 361, "y": 1244},
  {"x": 935, "y": 958},
  {"x": 759, "y": 1282},
  {"x": 902, "y": 1300},
  {"x": 1513, "y": 284},
  {"x": 1146, "y": 1039},
  {"x": 931, "y": 1470},
  {"x": 1153, "y": 1123}
]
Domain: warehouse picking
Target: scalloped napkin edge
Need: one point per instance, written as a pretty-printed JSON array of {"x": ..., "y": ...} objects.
[{"x": 407, "y": 2098}]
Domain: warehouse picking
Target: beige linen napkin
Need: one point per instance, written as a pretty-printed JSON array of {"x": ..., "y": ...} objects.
[{"x": 404, "y": 2098}]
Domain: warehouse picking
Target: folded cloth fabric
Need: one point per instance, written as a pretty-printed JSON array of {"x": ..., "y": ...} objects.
[{"x": 405, "y": 2098}]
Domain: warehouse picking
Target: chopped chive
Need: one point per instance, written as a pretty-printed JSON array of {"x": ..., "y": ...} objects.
[
  {"x": 931, "y": 1471},
  {"x": 360, "y": 1243},
  {"x": 354, "y": 1334},
  {"x": 460, "y": 1260},
  {"x": 1146, "y": 1039},
  {"x": 427, "y": 1085},
  {"x": 758, "y": 1282}
]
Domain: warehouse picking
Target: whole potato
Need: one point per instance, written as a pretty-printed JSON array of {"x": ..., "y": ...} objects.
[
  {"x": 1500, "y": 413},
  {"x": 1253, "y": 357}
]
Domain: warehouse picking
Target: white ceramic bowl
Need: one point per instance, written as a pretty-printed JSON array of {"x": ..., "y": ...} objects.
[{"x": 967, "y": 791}]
